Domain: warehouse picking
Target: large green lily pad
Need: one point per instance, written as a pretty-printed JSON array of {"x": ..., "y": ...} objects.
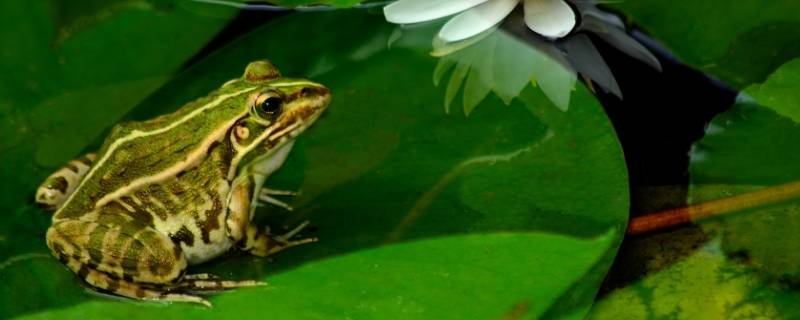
[
  {"x": 515, "y": 210},
  {"x": 740, "y": 42}
]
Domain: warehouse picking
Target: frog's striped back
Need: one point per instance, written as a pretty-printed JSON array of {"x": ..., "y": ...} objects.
[{"x": 138, "y": 154}]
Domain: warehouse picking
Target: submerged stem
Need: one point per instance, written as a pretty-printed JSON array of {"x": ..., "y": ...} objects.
[{"x": 674, "y": 217}]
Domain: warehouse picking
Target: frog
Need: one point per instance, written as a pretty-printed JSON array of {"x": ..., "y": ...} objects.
[{"x": 180, "y": 189}]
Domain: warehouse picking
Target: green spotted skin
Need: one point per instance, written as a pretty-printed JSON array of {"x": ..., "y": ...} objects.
[{"x": 179, "y": 189}]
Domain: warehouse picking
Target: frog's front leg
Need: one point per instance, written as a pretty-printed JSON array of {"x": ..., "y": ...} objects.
[
  {"x": 262, "y": 244},
  {"x": 249, "y": 237}
]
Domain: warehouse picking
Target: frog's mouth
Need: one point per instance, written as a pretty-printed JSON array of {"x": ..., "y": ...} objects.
[{"x": 300, "y": 113}]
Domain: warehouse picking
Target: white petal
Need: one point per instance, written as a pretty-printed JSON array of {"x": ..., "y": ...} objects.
[
  {"x": 476, "y": 20},
  {"x": 550, "y": 18},
  {"x": 443, "y": 48},
  {"x": 413, "y": 11}
]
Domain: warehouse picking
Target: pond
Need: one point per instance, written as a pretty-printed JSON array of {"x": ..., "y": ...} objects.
[{"x": 476, "y": 159}]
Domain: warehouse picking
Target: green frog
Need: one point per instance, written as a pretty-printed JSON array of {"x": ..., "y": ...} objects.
[{"x": 180, "y": 189}]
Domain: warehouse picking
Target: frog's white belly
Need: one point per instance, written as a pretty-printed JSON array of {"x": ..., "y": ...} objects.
[
  {"x": 202, "y": 252},
  {"x": 198, "y": 251}
]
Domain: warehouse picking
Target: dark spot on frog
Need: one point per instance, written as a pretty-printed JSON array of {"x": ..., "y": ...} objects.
[
  {"x": 177, "y": 252},
  {"x": 85, "y": 160},
  {"x": 183, "y": 235},
  {"x": 57, "y": 248},
  {"x": 72, "y": 167},
  {"x": 113, "y": 285},
  {"x": 211, "y": 222},
  {"x": 83, "y": 271},
  {"x": 59, "y": 183}
]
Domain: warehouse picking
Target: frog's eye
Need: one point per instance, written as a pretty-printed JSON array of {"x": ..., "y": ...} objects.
[
  {"x": 268, "y": 106},
  {"x": 271, "y": 105}
]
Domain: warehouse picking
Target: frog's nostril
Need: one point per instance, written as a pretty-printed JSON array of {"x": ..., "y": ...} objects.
[{"x": 306, "y": 91}]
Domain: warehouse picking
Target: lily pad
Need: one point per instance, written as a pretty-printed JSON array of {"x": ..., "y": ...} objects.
[
  {"x": 517, "y": 209},
  {"x": 749, "y": 268},
  {"x": 703, "y": 286},
  {"x": 389, "y": 281},
  {"x": 780, "y": 92},
  {"x": 740, "y": 42},
  {"x": 753, "y": 147}
]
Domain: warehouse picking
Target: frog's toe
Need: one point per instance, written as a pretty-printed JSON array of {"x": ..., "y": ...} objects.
[
  {"x": 266, "y": 196},
  {"x": 263, "y": 244},
  {"x": 182, "y": 297},
  {"x": 211, "y": 285},
  {"x": 200, "y": 276},
  {"x": 286, "y": 238}
]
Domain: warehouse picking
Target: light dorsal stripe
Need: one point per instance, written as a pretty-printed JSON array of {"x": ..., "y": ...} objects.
[
  {"x": 138, "y": 134},
  {"x": 192, "y": 159}
]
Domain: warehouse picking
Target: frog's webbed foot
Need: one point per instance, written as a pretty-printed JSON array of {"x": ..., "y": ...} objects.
[
  {"x": 187, "y": 290},
  {"x": 204, "y": 282},
  {"x": 266, "y": 195},
  {"x": 264, "y": 243},
  {"x": 103, "y": 282}
]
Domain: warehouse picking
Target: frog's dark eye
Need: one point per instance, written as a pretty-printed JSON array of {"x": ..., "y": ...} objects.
[
  {"x": 268, "y": 106},
  {"x": 271, "y": 105}
]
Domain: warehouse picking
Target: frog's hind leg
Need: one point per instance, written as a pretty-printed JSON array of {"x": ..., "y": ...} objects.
[
  {"x": 184, "y": 291},
  {"x": 131, "y": 260},
  {"x": 103, "y": 282},
  {"x": 60, "y": 185}
]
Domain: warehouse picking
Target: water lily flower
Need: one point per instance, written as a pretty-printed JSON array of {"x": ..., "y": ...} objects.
[
  {"x": 552, "y": 19},
  {"x": 545, "y": 42}
]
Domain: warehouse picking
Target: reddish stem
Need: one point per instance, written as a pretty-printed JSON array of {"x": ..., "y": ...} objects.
[{"x": 675, "y": 217}]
